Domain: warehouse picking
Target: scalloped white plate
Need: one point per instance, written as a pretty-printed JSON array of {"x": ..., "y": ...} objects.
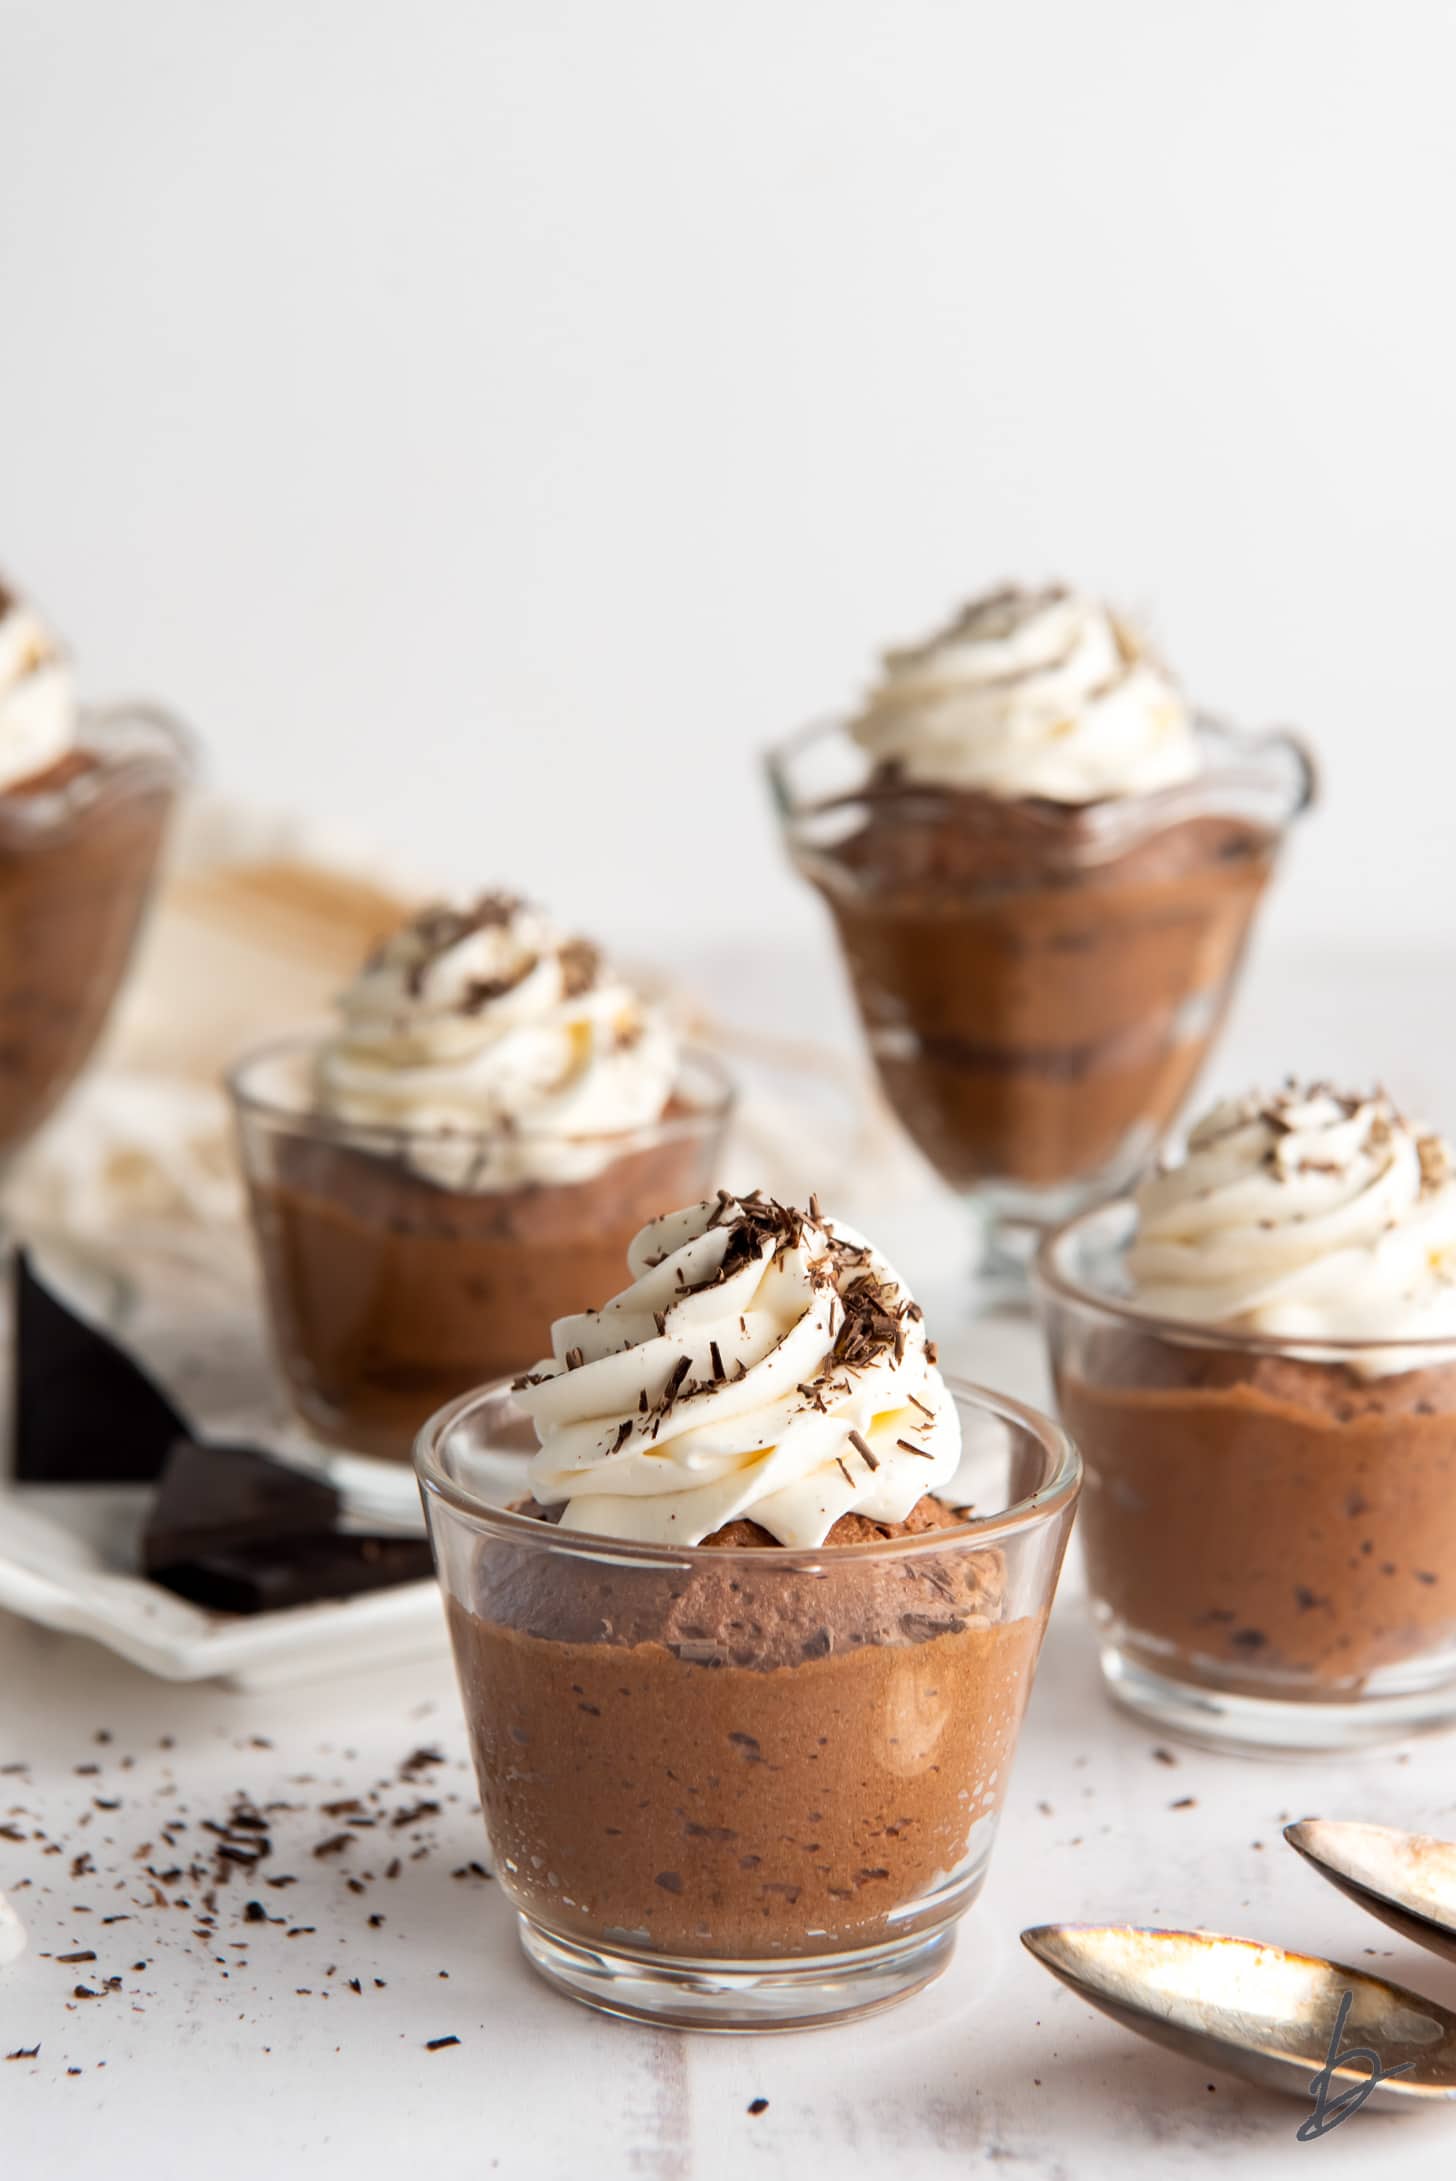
[{"x": 63, "y": 1556}]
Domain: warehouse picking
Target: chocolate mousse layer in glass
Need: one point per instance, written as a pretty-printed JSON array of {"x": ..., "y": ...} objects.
[
  {"x": 465, "y": 1157},
  {"x": 736, "y": 1781},
  {"x": 1043, "y": 872},
  {"x": 1270, "y": 1517},
  {"x": 85, "y": 796}
]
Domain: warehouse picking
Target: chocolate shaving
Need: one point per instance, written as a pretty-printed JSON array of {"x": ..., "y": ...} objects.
[
  {"x": 482, "y": 991},
  {"x": 924, "y": 1452},
  {"x": 441, "y": 926},
  {"x": 862, "y": 1447},
  {"x": 673, "y": 1387},
  {"x": 581, "y": 967}
]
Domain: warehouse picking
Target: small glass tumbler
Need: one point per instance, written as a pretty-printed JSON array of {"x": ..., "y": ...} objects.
[
  {"x": 1269, "y": 1525},
  {"x": 1039, "y": 983},
  {"x": 403, "y": 1266},
  {"x": 80, "y": 849},
  {"x": 744, "y": 1789}
]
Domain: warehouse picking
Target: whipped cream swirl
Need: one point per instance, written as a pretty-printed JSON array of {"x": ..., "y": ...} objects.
[
  {"x": 505, "y": 1050},
  {"x": 1031, "y": 694},
  {"x": 1308, "y": 1216},
  {"x": 38, "y": 711},
  {"x": 765, "y": 1363}
]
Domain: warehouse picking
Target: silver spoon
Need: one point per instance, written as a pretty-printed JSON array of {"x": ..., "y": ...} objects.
[
  {"x": 1408, "y": 1880},
  {"x": 1255, "y": 2010}
]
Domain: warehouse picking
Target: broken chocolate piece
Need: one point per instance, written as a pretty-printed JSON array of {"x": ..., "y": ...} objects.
[
  {"x": 84, "y": 1412},
  {"x": 231, "y": 1527},
  {"x": 212, "y": 1496},
  {"x": 261, "y": 1578}
]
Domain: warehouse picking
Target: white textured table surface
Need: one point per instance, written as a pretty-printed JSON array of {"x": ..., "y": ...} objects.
[{"x": 240, "y": 2049}]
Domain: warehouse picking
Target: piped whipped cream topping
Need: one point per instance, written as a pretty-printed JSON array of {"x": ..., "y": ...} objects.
[
  {"x": 38, "y": 711},
  {"x": 1307, "y": 1216},
  {"x": 1031, "y": 693},
  {"x": 507, "y": 1051},
  {"x": 764, "y": 1363}
]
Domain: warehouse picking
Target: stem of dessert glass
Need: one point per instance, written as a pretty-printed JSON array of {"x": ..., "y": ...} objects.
[{"x": 1005, "y": 1247}]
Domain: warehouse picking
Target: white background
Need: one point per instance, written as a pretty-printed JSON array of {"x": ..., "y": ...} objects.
[{"x": 492, "y": 423}]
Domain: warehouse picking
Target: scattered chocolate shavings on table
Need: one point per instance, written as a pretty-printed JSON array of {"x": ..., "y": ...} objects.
[
  {"x": 757, "y": 2106},
  {"x": 438, "y": 2044},
  {"x": 420, "y": 1760},
  {"x": 174, "y": 1865}
]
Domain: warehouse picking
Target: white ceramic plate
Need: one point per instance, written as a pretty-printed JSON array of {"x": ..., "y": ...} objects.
[{"x": 64, "y": 1550}]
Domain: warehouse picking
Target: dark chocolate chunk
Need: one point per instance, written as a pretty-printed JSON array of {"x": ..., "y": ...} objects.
[
  {"x": 297, "y": 1571},
  {"x": 84, "y": 1412},
  {"x": 211, "y": 1496},
  {"x": 231, "y": 1528}
]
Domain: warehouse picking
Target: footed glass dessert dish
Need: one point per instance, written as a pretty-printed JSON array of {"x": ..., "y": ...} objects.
[{"x": 1043, "y": 869}]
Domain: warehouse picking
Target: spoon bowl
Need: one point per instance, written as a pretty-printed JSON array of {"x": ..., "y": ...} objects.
[
  {"x": 1257, "y": 2011},
  {"x": 1408, "y": 1880}
]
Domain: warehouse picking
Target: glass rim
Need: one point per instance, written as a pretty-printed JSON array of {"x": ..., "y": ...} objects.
[
  {"x": 1052, "y": 1281},
  {"x": 161, "y": 741},
  {"x": 1251, "y": 760},
  {"x": 713, "y": 1110},
  {"x": 1032, "y": 1512}
]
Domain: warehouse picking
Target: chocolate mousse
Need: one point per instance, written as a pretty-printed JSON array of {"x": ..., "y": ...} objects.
[
  {"x": 84, "y": 804},
  {"x": 1276, "y": 1524},
  {"x": 1043, "y": 888},
  {"x": 1271, "y": 1461},
  {"x": 465, "y": 1157},
  {"x": 759, "y": 1766},
  {"x": 788, "y": 1737},
  {"x": 1037, "y": 999}
]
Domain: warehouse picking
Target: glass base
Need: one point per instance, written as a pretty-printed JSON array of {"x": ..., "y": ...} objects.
[
  {"x": 744, "y": 1995},
  {"x": 1272, "y": 1726},
  {"x": 1002, "y": 1271},
  {"x": 1010, "y": 1221}
]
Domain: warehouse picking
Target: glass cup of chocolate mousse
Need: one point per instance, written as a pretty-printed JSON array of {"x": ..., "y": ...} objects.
[
  {"x": 1043, "y": 870},
  {"x": 1257, "y": 1355},
  {"x": 744, "y": 1676},
  {"x": 85, "y": 796},
  {"x": 461, "y": 1159}
]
